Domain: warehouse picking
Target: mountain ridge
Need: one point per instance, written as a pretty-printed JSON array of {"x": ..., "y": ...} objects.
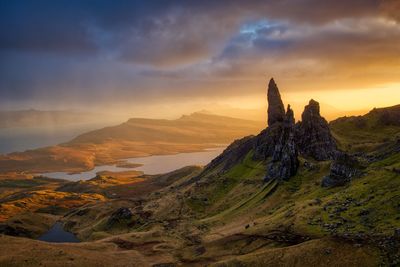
[{"x": 134, "y": 138}]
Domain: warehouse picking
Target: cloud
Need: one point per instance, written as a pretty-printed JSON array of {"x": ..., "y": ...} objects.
[
  {"x": 156, "y": 32},
  {"x": 390, "y": 8},
  {"x": 345, "y": 53},
  {"x": 107, "y": 50}
]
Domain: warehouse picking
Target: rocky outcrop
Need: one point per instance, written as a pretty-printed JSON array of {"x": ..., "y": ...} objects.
[
  {"x": 313, "y": 136},
  {"x": 119, "y": 216},
  {"x": 233, "y": 154},
  {"x": 384, "y": 151},
  {"x": 342, "y": 170},
  {"x": 13, "y": 230},
  {"x": 284, "y": 163},
  {"x": 264, "y": 143},
  {"x": 282, "y": 141},
  {"x": 276, "y": 110}
]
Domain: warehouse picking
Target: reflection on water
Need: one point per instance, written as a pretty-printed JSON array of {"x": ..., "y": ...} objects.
[
  {"x": 57, "y": 234},
  {"x": 151, "y": 164},
  {"x": 167, "y": 163}
]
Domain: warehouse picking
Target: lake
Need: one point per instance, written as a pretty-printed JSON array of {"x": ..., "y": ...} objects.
[
  {"x": 151, "y": 165},
  {"x": 57, "y": 234}
]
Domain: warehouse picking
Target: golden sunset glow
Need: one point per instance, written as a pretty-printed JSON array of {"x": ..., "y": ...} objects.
[
  {"x": 200, "y": 133},
  {"x": 186, "y": 58}
]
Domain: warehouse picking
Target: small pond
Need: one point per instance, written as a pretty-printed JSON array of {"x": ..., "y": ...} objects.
[{"x": 57, "y": 234}]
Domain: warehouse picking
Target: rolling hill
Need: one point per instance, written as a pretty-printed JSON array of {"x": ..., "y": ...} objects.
[{"x": 134, "y": 138}]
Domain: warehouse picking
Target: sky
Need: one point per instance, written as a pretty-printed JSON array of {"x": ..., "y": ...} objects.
[{"x": 163, "y": 58}]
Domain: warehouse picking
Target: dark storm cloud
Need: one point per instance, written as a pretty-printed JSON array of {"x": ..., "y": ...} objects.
[
  {"x": 101, "y": 49},
  {"x": 40, "y": 26},
  {"x": 146, "y": 30}
]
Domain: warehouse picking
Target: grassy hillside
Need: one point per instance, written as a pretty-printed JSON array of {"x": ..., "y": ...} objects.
[
  {"x": 234, "y": 219},
  {"x": 367, "y": 133},
  {"x": 230, "y": 218}
]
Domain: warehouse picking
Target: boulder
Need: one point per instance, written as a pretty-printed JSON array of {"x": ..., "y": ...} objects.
[{"x": 343, "y": 169}]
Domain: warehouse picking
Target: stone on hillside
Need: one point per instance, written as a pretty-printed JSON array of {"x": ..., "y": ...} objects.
[
  {"x": 119, "y": 216},
  {"x": 15, "y": 230},
  {"x": 313, "y": 135},
  {"x": 284, "y": 162},
  {"x": 343, "y": 169},
  {"x": 276, "y": 110}
]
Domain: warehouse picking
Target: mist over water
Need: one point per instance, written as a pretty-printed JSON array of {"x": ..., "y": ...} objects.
[{"x": 19, "y": 139}]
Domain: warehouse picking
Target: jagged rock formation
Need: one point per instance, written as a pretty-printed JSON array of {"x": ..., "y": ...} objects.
[
  {"x": 276, "y": 110},
  {"x": 264, "y": 144},
  {"x": 283, "y": 140},
  {"x": 284, "y": 162},
  {"x": 342, "y": 170},
  {"x": 313, "y": 136}
]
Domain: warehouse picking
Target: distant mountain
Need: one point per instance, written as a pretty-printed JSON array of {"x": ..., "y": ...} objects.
[
  {"x": 135, "y": 138},
  {"x": 256, "y": 114},
  {"x": 195, "y": 128}
]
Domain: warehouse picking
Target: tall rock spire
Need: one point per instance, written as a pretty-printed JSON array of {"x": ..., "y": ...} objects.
[
  {"x": 284, "y": 163},
  {"x": 276, "y": 110}
]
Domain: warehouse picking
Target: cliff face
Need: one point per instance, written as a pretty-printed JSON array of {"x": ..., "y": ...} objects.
[
  {"x": 342, "y": 170},
  {"x": 284, "y": 162},
  {"x": 283, "y": 140},
  {"x": 313, "y": 136}
]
